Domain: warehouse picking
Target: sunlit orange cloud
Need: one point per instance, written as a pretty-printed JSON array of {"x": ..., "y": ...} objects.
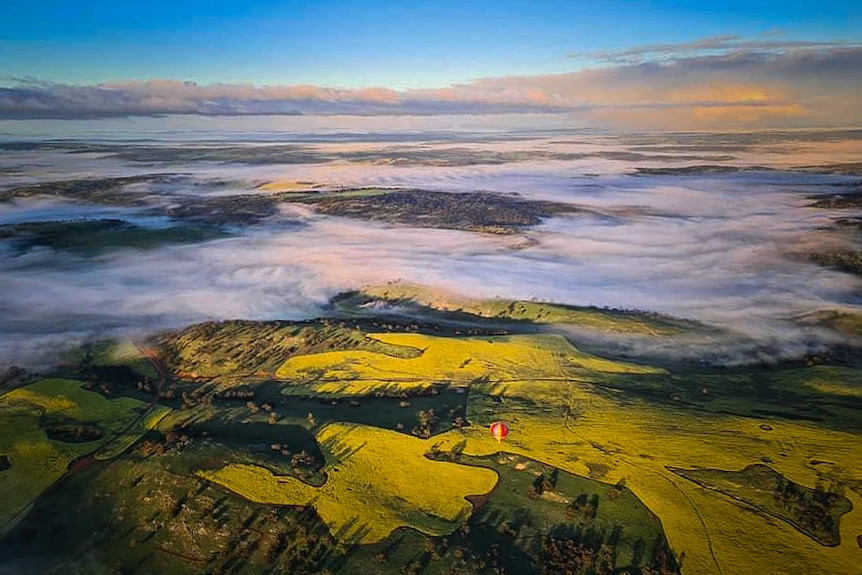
[
  {"x": 711, "y": 107},
  {"x": 728, "y": 94},
  {"x": 723, "y": 115},
  {"x": 701, "y": 93},
  {"x": 700, "y": 117}
]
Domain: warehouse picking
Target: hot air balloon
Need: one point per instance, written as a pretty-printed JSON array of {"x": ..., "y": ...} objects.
[{"x": 499, "y": 430}]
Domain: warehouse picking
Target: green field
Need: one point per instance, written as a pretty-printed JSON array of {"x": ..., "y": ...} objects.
[
  {"x": 153, "y": 520},
  {"x": 94, "y": 237},
  {"x": 29, "y": 414},
  {"x": 622, "y": 321},
  {"x": 513, "y": 526},
  {"x": 360, "y": 444}
]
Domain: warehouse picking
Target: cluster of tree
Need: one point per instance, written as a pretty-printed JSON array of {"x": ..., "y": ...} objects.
[
  {"x": 811, "y": 508},
  {"x": 145, "y": 385},
  {"x": 234, "y": 393},
  {"x": 280, "y": 541},
  {"x": 396, "y": 326},
  {"x": 254, "y": 408},
  {"x": 580, "y": 551},
  {"x": 304, "y": 459},
  {"x": 616, "y": 491},
  {"x": 427, "y": 422},
  {"x": 196, "y": 397},
  {"x": 453, "y": 454},
  {"x": 105, "y": 377},
  {"x": 663, "y": 561},
  {"x": 177, "y": 437},
  {"x": 149, "y": 447},
  {"x": 584, "y": 507},
  {"x": 566, "y": 556},
  {"x": 844, "y": 260},
  {"x": 543, "y": 482},
  {"x": 406, "y": 394},
  {"x": 80, "y": 433},
  {"x": 102, "y": 388},
  {"x": 301, "y": 460},
  {"x": 15, "y": 376}
]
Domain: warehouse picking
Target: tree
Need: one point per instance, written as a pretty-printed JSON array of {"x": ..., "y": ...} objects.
[
  {"x": 551, "y": 479},
  {"x": 564, "y": 556},
  {"x": 538, "y": 486},
  {"x": 606, "y": 560},
  {"x": 638, "y": 552}
]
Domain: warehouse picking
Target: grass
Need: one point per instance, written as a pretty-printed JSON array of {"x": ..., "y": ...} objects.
[
  {"x": 125, "y": 440},
  {"x": 622, "y": 321},
  {"x": 617, "y": 508},
  {"x": 378, "y": 481},
  {"x": 137, "y": 515},
  {"x": 124, "y": 353},
  {"x": 229, "y": 436},
  {"x": 442, "y": 409},
  {"x": 37, "y": 461}
]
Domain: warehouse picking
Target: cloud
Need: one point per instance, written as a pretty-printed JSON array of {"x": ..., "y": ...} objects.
[
  {"x": 713, "y": 44},
  {"x": 722, "y": 82},
  {"x": 705, "y": 248}
]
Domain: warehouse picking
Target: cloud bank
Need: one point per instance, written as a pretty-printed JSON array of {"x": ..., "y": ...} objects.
[
  {"x": 714, "y": 83},
  {"x": 711, "y": 248}
]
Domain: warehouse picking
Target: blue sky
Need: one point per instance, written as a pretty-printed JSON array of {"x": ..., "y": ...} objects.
[
  {"x": 398, "y": 45},
  {"x": 627, "y": 64}
]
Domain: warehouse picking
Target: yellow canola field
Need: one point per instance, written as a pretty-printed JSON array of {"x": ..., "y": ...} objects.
[
  {"x": 636, "y": 441},
  {"x": 544, "y": 390},
  {"x": 378, "y": 480},
  {"x": 455, "y": 360}
]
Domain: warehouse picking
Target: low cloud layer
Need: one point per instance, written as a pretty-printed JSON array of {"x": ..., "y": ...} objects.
[
  {"x": 715, "y": 83},
  {"x": 712, "y": 248}
]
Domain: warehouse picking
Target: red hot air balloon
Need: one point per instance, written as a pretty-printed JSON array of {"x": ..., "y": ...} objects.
[{"x": 499, "y": 429}]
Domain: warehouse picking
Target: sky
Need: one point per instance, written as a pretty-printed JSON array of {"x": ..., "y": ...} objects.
[{"x": 102, "y": 57}]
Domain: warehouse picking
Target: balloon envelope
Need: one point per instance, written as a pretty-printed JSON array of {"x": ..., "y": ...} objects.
[{"x": 499, "y": 430}]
